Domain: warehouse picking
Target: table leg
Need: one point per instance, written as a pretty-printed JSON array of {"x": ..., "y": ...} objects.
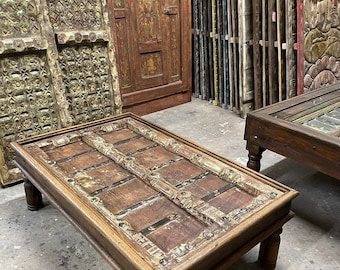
[
  {"x": 269, "y": 249},
  {"x": 254, "y": 156},
  {"x": 33, "y": 195}
]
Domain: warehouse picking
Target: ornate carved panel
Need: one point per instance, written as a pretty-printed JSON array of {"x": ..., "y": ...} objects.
[
  {"x": 86, "y": 76},
  {"x": 27, "y": 100},
  {"x": 86, "y": 58},
  {"x": 68, "y": 15},
  {"x": 151, "y": 64},
  {"x": 125, "y": 73},
  {"x": 148, "y": 21},
  {"x": 321, "y": 43},
  {"x": 57, "y": 68},
  {"x": 19, "y": 18},
  {"x": 324, "y": 72},
  {"x": 153, "y": 51}
]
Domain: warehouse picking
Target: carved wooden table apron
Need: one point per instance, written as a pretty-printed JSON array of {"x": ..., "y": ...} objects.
[
  {"x": 148, "y": 199},
  {"x": 305, "y": 128}
]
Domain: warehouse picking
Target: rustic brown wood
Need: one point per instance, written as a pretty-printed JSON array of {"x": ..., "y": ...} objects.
[
  {"x": 33, "y": 195},
  {"x": 272, "y": 54},
  {"x": 264, "y": 44},
  {"x": 148, "y": 199},
  {"x": 269, "y": 250},
  {"x": 159, "y": 104},
  {"x": 291, "y": 38},
  {"x": 257, "y": 55},
  {"x": 286, "y": 128},
  {"x": 153, "y": 49},
  {"x": 300, "y": 72}
]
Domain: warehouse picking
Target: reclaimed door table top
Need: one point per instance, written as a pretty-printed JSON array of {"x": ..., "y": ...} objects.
[
  {"x": 305, "y": 128},
  {"x": 148, "y": 199}
]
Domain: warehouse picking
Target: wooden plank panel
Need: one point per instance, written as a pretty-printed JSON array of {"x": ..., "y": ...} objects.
[
  {"x": 291, "y": 67},
  {"x": 196, "y": 49},
  {"x": 258, "y": 101},
  {"x": 264, "y": 42},
  {"x": 272, "y": 54}
]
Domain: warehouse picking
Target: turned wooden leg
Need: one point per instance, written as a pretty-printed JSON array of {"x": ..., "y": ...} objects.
[
  {"x": 269, "y": 250},
  {"x": 254, "y": 156},
  {"x": 33, "y": 195}
]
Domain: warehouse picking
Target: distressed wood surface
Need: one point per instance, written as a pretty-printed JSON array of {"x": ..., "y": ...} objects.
[
  {"x": 57, "y": 69},
  {"x": 304, "y": 128},
  {"x": 156, "y": 201},
  {"x": 154, "y": 53}
]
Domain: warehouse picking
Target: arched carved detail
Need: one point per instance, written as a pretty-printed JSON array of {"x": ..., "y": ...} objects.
[
  {"x": 324, "y": 72},
  {"x": 321, "y": 43}
]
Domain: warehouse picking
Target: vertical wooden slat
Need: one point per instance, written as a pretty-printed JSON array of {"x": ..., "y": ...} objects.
[
  {"x": 264, "y": 53},
  {"x": 230, "y": 55},
  {"x": 210, "y": 62},
  {"x": 290, "y": 55},
  {"x": 205, "y": 11},
  {"x": 214, "y": 51},
  {"x": 279, "y": 47},
  {"x": 202, "y": 46},
  {"x": 225, "y": 49},
  {"x": 246, "y": 88},
  {"x": 272, "y": 58},
  {"x": 299, "y": 47},
  {"x": 227, "y": 77},
  {"x": 240, "y": 50},
  {"x": 219, "y": 31},
  {"x": 196, "y": 53},
  {"x": 235, "y": 54},
  {"x": 256, "y": 54}
]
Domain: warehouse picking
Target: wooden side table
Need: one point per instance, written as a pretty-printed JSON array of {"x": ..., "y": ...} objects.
[
  {"x": 305, "y": 128},
  {"x": 148, "y": 199}
]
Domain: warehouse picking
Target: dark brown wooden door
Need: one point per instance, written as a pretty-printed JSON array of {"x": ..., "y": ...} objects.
[{"x": 153, "y": 49}]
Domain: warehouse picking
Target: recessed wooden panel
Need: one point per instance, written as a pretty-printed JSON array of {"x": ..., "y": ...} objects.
[
  {"x": 153, "y": 52},
  {"x": 164, "y": 197}
]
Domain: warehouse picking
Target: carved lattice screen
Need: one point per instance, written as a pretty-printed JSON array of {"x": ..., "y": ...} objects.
[{"x": 57, "y": 68}]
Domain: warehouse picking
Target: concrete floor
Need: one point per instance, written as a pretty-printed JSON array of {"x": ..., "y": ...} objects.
[{"x": 311, "y": 240}]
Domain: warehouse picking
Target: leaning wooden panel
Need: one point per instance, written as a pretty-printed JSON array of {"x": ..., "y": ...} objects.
[
  {"x": 28, "y": 103},
  {"x": 149, "y": 199}
]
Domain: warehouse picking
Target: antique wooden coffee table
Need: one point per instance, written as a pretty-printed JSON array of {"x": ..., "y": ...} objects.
[
  {"x": 148, "y": 199},
  {"x": 305, "y": 128}
]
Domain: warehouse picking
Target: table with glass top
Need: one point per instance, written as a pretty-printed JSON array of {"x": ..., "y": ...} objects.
[{"x": 305, "y": 128}]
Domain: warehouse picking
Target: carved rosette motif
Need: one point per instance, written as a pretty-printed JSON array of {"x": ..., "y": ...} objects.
[
  {"x": 322, "y": 73},
  {"x": 321, "y": 43}
]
